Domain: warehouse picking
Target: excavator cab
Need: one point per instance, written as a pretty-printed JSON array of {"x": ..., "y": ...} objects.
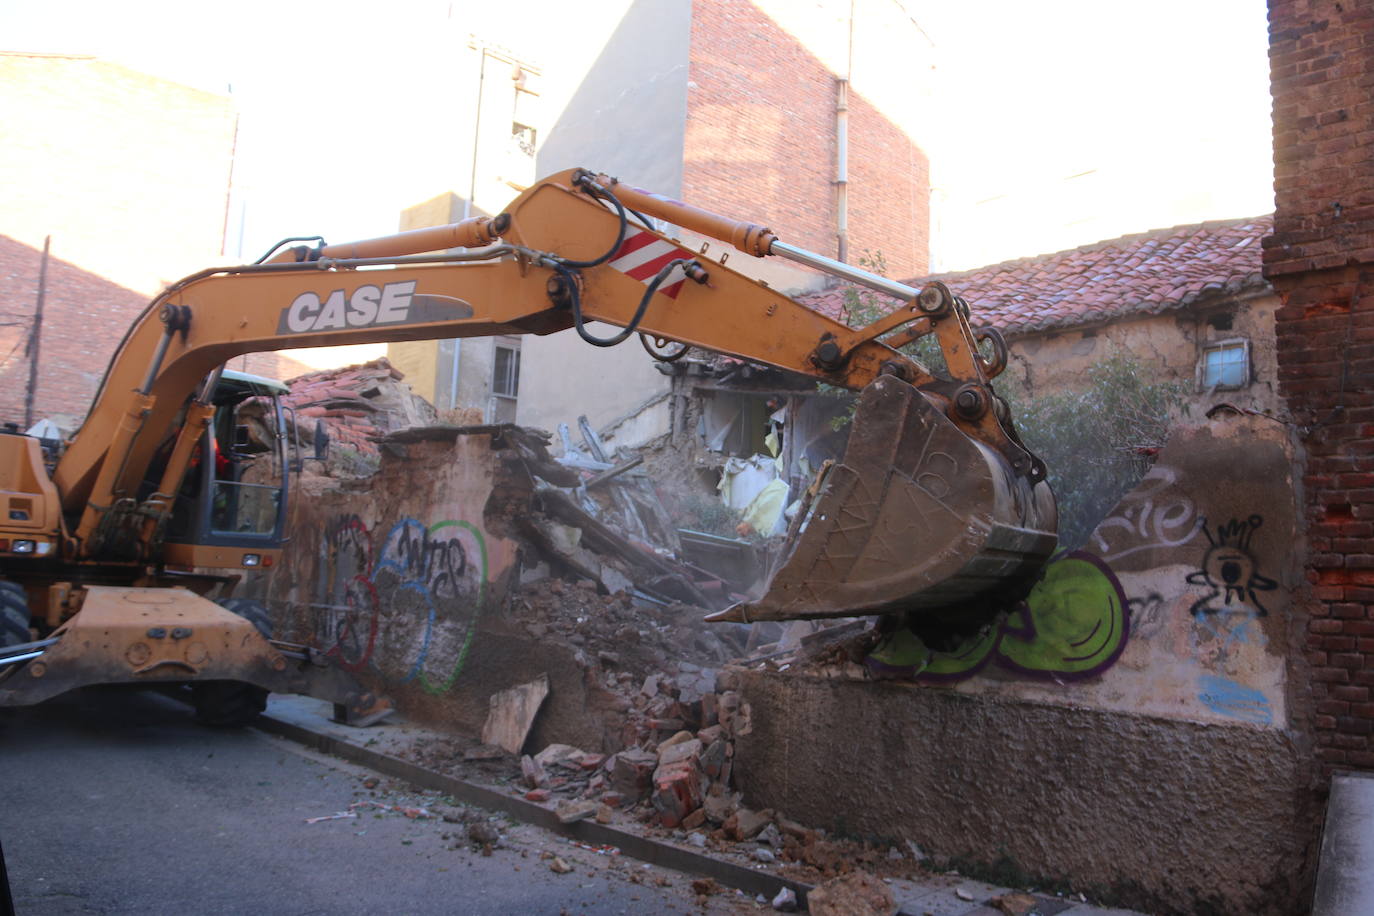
[{"x": 234, "y": 497}]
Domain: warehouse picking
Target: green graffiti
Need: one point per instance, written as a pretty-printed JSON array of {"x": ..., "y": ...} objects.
[
  {"x": 1074, "y": 624},
  {"x": 971, "y": 655}
]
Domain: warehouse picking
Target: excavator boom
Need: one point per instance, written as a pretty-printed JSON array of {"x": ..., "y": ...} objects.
[{"x": 937, "y": 507}]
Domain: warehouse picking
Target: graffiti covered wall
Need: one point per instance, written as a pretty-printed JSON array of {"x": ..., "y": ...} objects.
[
  {"x": 402, "y": 578},
  {"x": 1176, "y": 606},
  {"x": 1128, "y": 729},
  {"x": 393, "y": 576}
]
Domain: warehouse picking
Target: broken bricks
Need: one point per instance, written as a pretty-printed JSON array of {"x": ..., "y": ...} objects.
[
  {"x": 532, "y": 772},
  {"x": 677, "y": 791},
  {"x": 745, "y": 824},
  {"x": 511, "y": 714},
  {"x": 570, "y": 812},
  {"x": 632, "y": 774}
]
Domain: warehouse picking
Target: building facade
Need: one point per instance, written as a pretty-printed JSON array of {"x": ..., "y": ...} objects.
[{"x": 755, "y": 109}]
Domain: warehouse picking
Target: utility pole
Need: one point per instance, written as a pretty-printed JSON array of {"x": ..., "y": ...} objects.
[{"x": 35, "y": 334}]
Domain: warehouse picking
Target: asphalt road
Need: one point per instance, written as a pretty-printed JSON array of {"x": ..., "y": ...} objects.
[{"x": 118, "y": 802}]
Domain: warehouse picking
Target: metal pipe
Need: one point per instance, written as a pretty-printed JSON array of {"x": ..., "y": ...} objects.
[
  {"x": 19, "y": 658},
  {"x": 842, "y": 169},
  {"x": 835, "y": 268},
  {"x": 453, "y": 382},
  {"x": 842, "y": 148},
  {"x": 206, "y": 395},
  {"x": 29, "y": 646}
]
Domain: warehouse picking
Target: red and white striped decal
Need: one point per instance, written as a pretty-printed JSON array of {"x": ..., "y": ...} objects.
[{"x": 642, "y": 255}]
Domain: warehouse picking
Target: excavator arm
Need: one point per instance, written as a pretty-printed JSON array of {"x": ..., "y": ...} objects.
[{"x": 936, "y": 506}]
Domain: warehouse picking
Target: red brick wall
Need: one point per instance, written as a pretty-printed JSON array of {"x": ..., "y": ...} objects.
[
  {"x": 84, "y": 319},
  {"x": 1320, "y": 260},
  {"x": 761, "y": 144}
]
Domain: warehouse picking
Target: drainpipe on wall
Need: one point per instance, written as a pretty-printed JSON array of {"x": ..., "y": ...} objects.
[
  {"x": 476, "y": 132},
  {"x": 842, "y": 149},
  {"x": 842, "y": 170},
  {"x": 453, "y": 384}
]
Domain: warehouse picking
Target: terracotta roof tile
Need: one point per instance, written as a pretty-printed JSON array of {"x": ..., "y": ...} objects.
[
  {"x": 342, "y": 398},
  {"x": 1142, "y": 274}
]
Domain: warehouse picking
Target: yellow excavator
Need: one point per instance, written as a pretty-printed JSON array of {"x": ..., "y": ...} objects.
[{"x": 937, "y": 511}]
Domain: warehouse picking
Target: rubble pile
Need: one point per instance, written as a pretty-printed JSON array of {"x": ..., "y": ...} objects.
[
  {"x": 680, "y": 782},
  {"x": 676, "y": 771},
  {"x": 626, "y": 636}
]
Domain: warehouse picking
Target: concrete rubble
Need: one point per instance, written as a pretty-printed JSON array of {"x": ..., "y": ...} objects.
[{"x": 512, "y": 714}]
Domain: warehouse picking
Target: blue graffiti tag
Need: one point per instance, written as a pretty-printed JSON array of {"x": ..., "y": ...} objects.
[{"x": 1236, "y": 701}]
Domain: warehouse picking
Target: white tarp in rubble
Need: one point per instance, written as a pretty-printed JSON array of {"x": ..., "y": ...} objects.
[
  {"x": 741, "y": 479},
  {"x": 751, "y": 485},
  {"x": 765, "y": 513}
]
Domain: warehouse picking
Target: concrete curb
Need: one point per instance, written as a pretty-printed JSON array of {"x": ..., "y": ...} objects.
[
  {"x": 638, "y": 847},
  {"x": 642, "y": 848}
]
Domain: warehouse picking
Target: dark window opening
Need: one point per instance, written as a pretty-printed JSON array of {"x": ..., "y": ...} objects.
[{"x": 505, "y": 380}]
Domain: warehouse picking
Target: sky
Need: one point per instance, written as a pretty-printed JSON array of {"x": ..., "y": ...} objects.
[{"x": 1052, "y": 124}]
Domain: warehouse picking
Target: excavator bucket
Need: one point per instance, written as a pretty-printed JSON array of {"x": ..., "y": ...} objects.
[{"x": 918, "y": 518}]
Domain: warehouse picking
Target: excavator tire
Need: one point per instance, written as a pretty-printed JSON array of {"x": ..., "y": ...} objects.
[
  {"x": 227, "y": 704},
  {"x": 255, "y": 612},
  {"x": 233, "y": 704},
  {"x": 14, "y": 615}
]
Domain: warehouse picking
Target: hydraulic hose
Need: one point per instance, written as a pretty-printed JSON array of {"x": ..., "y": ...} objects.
[{"x": 576, "y": 304}]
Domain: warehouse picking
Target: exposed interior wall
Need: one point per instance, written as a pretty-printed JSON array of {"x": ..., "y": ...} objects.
[{"x": 1147, "y": 680}]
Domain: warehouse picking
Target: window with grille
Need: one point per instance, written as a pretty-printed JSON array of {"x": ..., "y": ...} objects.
[{"x": 1225, "y": 365}]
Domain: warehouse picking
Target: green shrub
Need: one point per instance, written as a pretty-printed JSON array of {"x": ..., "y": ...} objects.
[{"x": 1097, "y": 441}]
